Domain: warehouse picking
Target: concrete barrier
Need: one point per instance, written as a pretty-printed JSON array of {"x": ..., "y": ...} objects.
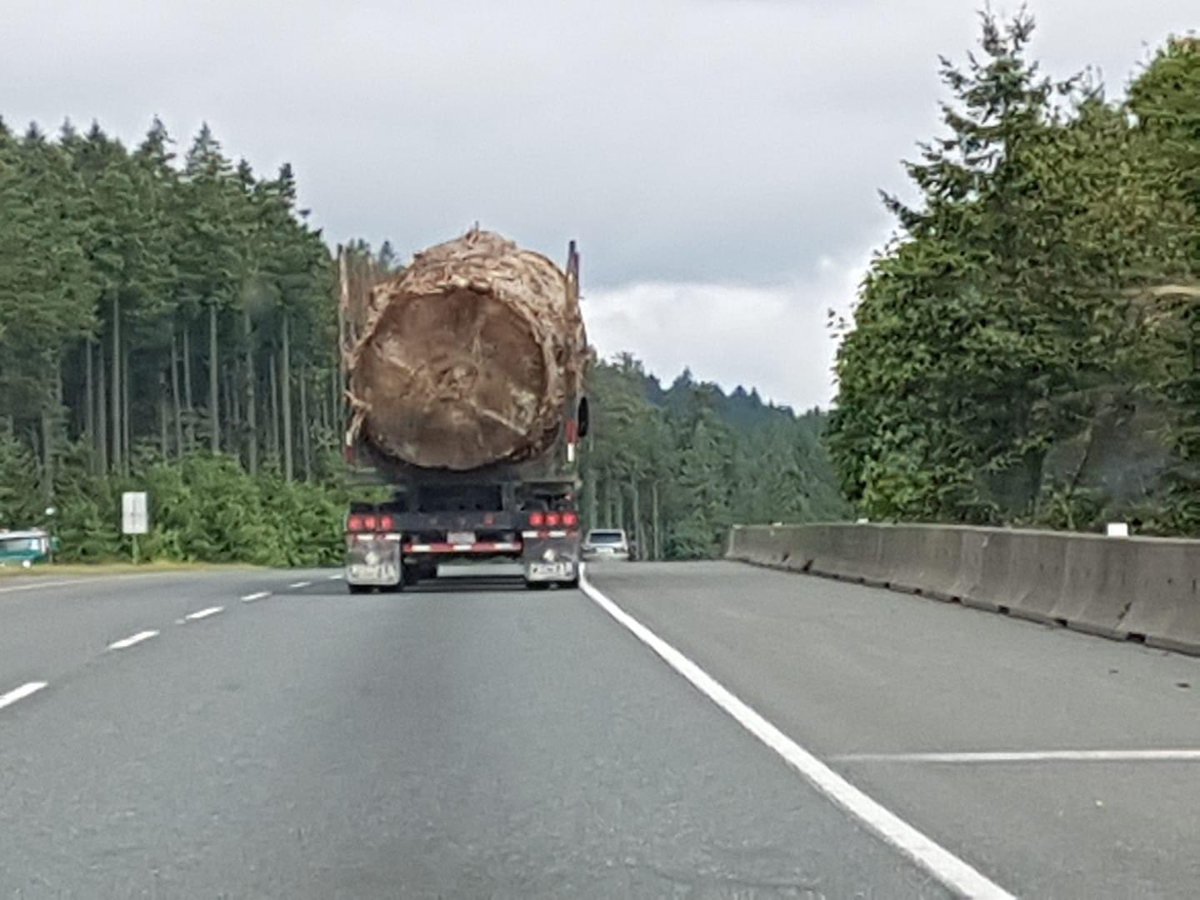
[
  {"x": 1037, "y": 565},
  {"x": 1165, "y": 604},
  {"x": 1142, "y": 588},
  {"x": 973, "y": 544},
  {"x": 1097, "y": 588},
  {"x": 923, "y": 560}
]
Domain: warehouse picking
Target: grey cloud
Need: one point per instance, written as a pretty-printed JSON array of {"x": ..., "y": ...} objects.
[
  {"x": 679, "y": 140},
  {"x": 704, "y": 140}
]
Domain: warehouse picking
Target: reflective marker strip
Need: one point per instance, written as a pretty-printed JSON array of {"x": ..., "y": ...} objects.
[{"x": 496, "y": 547}]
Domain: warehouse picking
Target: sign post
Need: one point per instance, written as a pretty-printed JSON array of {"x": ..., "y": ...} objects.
[
  {"x": 51, "y": 512},
  {"x": 135, "y": 519}
]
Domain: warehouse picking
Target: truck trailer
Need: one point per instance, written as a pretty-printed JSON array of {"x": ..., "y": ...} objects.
[{"x": 464, "y": 381}]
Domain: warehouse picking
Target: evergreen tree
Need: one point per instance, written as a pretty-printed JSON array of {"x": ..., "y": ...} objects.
[{"x": 994, "y": 328}]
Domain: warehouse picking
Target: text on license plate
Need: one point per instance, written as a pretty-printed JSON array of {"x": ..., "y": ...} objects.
[
  {"x": 377, "y": 574},
  {"x": 550, "y": 570}
]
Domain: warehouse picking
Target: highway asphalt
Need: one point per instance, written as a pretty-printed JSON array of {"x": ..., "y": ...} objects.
[
  {"x": 262, "y": 734},
  {"x": 867, "y": 679}
]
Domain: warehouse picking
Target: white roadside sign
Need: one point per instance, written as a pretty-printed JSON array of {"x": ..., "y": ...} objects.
[{"x": 134, "y": 516}]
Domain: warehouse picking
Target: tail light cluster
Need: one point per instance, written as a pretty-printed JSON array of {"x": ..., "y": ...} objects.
[
  {"x": 568, "y": 519},
  {"x": 369, "y": 522}
]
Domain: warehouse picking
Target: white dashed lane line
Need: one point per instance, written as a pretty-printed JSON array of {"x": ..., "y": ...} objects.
[
  {"x": 126, "y": 643},
  {"x": 20, "y": 693},
  {"x": 300, "y": 584},
  {"x": 250, "y": 598},
  {"x": 337, "y": 577},
  {"x": 204, "y": 613}
]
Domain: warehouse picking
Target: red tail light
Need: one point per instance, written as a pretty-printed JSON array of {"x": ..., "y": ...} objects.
[
  {"x": 369, "y": 523},
  {"x": 570, "y": 519},
  {"x": 387, "y": 523},
  {"x": 354, "y": 523},
  {"x": 536, "y": 520},
  {"x": 552, "y": 520}
]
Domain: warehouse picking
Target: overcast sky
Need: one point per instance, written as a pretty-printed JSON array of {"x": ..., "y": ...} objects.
[{"x": 718, "y": 160}]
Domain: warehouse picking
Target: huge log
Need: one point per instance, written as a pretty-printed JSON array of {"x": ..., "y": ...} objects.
[{"x": 471, "y": 357}]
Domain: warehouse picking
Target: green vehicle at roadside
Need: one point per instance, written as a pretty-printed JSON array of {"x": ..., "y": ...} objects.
[{"x": 26, "y": 548}]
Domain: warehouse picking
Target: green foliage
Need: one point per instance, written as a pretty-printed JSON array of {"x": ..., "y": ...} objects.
[
  {"x": 1165, "y": 98},
  {"x": 1005, "y": 321},
  {"x": 676, "y": 467},
  {"x": 18, "y": 496},
  {"x": 112, "y": 261},
  {"x": 203, "y": 509},
  {"x": 150, "y": 307}
]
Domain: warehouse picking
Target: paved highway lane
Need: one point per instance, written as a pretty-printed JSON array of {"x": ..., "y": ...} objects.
[
  {"x": 883, "y": 685},
  {"x": 451, "y": 742},
  {"x": 52, "y": 627}
]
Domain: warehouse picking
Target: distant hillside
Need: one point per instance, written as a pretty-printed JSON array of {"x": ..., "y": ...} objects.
[{"x": 707, "y": 458}]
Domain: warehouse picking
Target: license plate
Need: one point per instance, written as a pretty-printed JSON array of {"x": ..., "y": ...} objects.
[
  {"x": 546, "y": 571},
  {"x": 460, "y": 537},
  {"x": 378, "y": 574}
]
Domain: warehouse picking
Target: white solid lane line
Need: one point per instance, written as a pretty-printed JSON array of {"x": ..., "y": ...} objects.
[
  {"x": 126, "y": 643},
  {"x": 300, "y": 584},
  {"x": 42, "y": 584},
  {"x": 205, "y": 613},
  {"x": 250, "y": 598},
  {"x": 20, "y": 693},
  {"x": 1030, "y": 756},
  {"x": 953, "y": 872}
]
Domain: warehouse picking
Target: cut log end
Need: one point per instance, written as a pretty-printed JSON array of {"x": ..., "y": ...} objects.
[{"x": 469, "y": 357}]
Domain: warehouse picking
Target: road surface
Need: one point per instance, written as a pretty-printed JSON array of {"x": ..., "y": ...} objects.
[{"x": 263, "y": 734}]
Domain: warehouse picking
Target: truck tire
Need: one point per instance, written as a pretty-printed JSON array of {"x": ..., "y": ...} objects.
[{"x": 358, "y": 588}]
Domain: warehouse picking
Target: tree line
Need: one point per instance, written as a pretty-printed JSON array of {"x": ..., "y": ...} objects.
[
  {"x": 169, "y": 322},
  {"x": 1024, "y": 350},
  {"x": 154, "y": 308},
  {"x": 164, "y": 321},
  {"x": 676, "y": 467}
]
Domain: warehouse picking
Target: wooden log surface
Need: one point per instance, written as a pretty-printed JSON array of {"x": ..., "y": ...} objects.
[{"x": 469, "y": 357}]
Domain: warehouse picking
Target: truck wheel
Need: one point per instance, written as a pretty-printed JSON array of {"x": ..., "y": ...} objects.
[
  {"x": 358, "y": 588},
  {"x": 537, "y": 585}
]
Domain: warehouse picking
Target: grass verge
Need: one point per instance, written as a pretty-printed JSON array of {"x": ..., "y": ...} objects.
[{"x": 118, "y": 568}]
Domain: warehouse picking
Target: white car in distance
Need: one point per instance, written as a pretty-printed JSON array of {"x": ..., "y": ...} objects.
[{"x": 606, "y": 543}]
